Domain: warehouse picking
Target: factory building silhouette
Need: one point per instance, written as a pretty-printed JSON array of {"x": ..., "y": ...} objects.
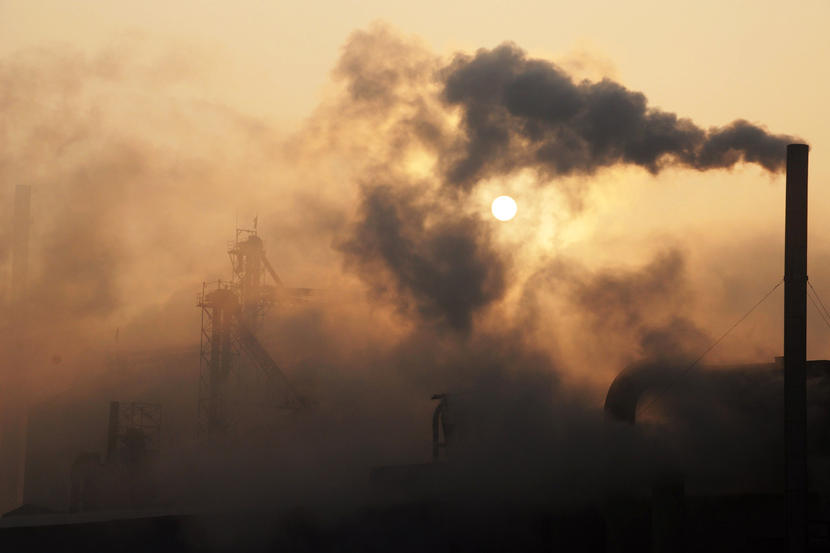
[{"x": 70, "y": 496}]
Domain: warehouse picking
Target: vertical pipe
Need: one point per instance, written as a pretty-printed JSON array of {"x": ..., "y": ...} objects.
[
  {"x": 436, "y": 436},
  {"x": 795, "y": 346}
]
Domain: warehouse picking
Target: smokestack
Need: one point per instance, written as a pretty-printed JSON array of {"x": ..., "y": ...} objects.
[{"x": 795, "y": 346}]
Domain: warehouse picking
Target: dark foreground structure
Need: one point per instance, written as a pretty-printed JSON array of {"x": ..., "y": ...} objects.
[{"x": 411, "y": 527}]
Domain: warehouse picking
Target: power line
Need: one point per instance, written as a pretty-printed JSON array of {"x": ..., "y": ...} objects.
[
  {"x": 818, "y": 297},
  {"x": 712, "y": 346},
  {"x": 820, "y": 312}
]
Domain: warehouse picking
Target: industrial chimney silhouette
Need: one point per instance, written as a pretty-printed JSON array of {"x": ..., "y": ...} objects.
[{"x": 795, "y": 346}]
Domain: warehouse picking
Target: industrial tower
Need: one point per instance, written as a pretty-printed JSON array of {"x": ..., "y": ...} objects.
[{"x": 236, "y": 371}]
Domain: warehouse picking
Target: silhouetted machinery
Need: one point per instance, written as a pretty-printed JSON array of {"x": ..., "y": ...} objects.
[
  {"x": 749, "y": 444},
  {"x": 123, "y": 480},
  {"x": 232, "y": 313}
]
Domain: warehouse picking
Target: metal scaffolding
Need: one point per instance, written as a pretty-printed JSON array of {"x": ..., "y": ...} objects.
[
  {"x": 133, "y": 426},
  {"x": 237, "y": 374}
]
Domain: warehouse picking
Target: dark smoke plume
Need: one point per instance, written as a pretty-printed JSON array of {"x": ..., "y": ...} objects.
[
  {"x": 447, "y": 267},
  {"x": 516, "y": 112},
  {"x": 414, "y": 242},
  {"x": 520, "y": 112},
  {"x": 623, "y": 298}
]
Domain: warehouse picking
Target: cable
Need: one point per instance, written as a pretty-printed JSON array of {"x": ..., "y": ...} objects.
[
  {"x": 712, "y": 346},
  {"x": 820, "y": 313},
  {"x": 810, "y": 284},
  {"x": 818, "y": 297}
]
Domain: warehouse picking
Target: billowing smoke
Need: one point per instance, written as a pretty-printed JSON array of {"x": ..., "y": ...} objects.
[
  {"x": 516, "y": 113},
  {"x": 624, "y": 313},
  {"x": 447, "y": 268},
  {"x": 645, "y": 304},
  {"x": 519, "y": 112},
  {"x": 374, "y": 200},
  {"x": 626, "y": 298}
]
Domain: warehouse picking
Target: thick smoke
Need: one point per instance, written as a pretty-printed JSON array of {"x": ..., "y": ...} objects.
[
  {"x": 516, "y": 113},
  {"x": 624, "y": 298},
  {"x": 623, "y": 313},
  {"x": 520, "y": 112},
  {"x": 646, "y": 304},
  {"x": 376, "y": 193},
  {"x": 447, "y": 266}
]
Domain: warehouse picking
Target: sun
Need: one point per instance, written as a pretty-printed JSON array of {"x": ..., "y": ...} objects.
[{"x": 504, "y": 208}]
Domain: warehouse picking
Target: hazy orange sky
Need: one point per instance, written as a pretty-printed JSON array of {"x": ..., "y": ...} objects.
[
  {"x": 711, "y": 61},
  {"x": 148, "y": 129}
]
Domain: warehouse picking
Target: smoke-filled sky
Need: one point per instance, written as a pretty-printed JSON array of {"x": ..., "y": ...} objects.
[
  {"x": 198, "y": 105},
  {"x": 642, "y": 142}
]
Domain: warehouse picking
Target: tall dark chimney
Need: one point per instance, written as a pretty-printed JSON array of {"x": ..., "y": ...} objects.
[{"x": 795, "y": 346}]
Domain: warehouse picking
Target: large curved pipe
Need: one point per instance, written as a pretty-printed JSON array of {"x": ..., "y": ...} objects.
[
  {"x": 628, "y": 387},
  {"x": 632, "y": 383}
]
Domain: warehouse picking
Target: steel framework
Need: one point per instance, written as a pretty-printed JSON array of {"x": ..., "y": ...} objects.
[
  {"x": 132, "y": 420},
  {"x": 236, "y": 372}
]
